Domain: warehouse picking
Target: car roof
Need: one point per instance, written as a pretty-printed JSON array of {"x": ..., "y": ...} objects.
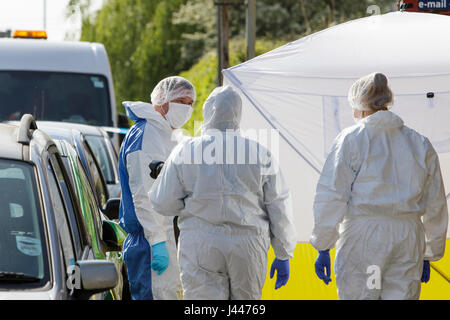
[
  {"x": 83, "y": 128},
  {"x": 62, "y": 147},
  {"x": 13, "y": 142},
  {"x": 11, "y": 149},
  {"x": 59, "y": 133}
]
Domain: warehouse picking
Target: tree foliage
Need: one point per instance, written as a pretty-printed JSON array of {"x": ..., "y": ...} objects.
[
  {"x": 147, "y": 40},
  {"x": 141, "y": 41},
  {"x": 275, "y": 19}
]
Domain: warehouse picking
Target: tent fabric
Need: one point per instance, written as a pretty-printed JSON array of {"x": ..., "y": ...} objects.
[{"x": 300, "y": 89}]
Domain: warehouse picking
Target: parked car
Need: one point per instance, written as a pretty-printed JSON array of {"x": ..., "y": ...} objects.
[
  {"x": 44, "y": 245},
  {"x": 87, "y": 157},
  {"x": 104, "y": 151},
  {"x": 98, "y": 225}
]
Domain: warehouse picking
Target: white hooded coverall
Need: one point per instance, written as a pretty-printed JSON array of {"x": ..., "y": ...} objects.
[
  {"x": 382, "y": 180},
  {"x": 229, "y": 211}
]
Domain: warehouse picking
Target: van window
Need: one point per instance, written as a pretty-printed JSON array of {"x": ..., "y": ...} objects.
[{"x": 55, "y": 96}]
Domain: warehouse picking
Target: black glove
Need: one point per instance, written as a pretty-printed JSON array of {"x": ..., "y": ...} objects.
[{"x": 155, "y": 168}]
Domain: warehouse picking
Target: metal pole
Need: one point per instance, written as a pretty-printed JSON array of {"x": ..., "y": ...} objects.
[
  {"x": 45, "y": 14},
  {"x": 222, "y": 47},
  {"x": 250, "y": 29},
  {"x": 219, "y": 45}
]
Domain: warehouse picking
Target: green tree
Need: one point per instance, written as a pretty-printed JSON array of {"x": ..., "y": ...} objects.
[
  {"x": 141, "y": 41},
  {"x": 278, "y": 22},
  {"x": 147, "y": 40},
  {"x": 275, "y": 19}
]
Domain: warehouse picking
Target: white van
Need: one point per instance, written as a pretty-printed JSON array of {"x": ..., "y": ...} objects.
[{"x": 56, "y": 81}]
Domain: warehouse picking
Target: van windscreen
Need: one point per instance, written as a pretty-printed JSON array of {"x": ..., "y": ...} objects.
[{"x": 55, "y": 96}]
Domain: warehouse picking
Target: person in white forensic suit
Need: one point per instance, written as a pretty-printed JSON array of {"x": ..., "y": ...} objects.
[
  {"x": 381, "y": 197},
  {"x": 230, "y": 208},
  {"x": 149, "y": 248}
]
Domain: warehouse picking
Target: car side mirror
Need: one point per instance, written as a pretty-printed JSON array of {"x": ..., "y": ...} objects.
[
  {"x": 109, "y": 237},
  {"x": 111, "y": 209},
  {"x": 95, "y": 276}
]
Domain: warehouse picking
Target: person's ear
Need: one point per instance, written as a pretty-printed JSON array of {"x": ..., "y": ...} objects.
[{"x": 164, "y": 108}]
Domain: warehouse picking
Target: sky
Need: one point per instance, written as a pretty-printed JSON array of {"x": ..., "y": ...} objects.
[{"x": 29, "y": 15}]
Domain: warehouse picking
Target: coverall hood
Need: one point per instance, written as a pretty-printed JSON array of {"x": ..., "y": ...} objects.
[
  {"x": 383, "y": 119},
  {"x": 137, "y": 110},
  {"x": 222, "y": 110}
]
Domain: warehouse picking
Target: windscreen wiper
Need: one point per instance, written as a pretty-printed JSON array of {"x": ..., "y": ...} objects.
[{"x": 17, "y": 277}]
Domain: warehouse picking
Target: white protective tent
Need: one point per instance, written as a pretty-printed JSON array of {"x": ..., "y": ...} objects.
[{"x": 301, "y": 90}]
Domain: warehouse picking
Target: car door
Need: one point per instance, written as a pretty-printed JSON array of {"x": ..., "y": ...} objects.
[
  {"x": 71, "y": 225},
  {"x": 24, "y": 245},
  {"x": 76, "y": 221},
  {"x": 105, "y": 238},
  {"x": 65, "y": 234}
]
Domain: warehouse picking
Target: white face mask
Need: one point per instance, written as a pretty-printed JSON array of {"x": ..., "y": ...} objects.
[{"x": 178, "y": 114}]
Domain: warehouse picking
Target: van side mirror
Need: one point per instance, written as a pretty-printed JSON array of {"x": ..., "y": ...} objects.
[
  {"x": 111, "y": 209},
  {"x": 95, "y": 276}
]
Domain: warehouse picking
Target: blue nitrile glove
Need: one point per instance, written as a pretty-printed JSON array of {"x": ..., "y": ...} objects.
[
  {"x": 322, "y": 263},
  {"x": 426, "y": 271},
  {"x": 282, "y": 267},
  {"x": 160, "y": 260}
]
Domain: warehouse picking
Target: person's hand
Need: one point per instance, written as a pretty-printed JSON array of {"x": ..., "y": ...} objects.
[
  {"x": 323, "y": 263},
  {"x": 160, "y": 260},
  {"x": 282, "y": 268},
  {"x": 426, "y": 271}
]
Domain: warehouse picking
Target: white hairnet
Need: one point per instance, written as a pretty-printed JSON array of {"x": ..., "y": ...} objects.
[
  {"x": 222, "y": 110},
  {"x": 370, "y": 92},
  {"x": 172, "y": 88}
]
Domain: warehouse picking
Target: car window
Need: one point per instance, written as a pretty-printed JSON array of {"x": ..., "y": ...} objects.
[
  {"x": 97, "y": 176},
  {"x": 62, "y": 223},
  {"x": 69, "y": 201},
  {"x": 23, "y": 247},
  {"x": 66, "y": 163},
  {"x": 90, "y": 207},
  {"x": 103, "y": 156}
]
